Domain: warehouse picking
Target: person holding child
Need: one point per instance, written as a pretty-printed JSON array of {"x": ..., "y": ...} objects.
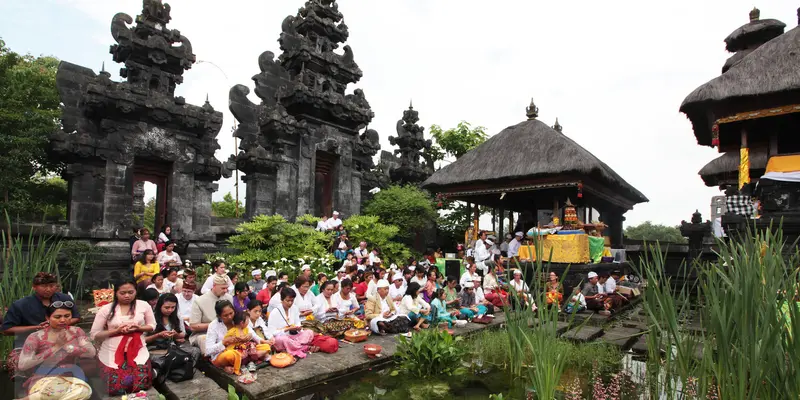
[{"x": 230, "y": 342}]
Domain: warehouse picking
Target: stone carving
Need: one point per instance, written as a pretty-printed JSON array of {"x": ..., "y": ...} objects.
[
  {"x": 113, "y": 129},
  {"x": 411, "y": 142},
  {"x": 305, "y": 112}
]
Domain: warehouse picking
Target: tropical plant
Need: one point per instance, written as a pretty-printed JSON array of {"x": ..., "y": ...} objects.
[
  {"x": 368, "y": 228},
  {"x": 271, "y": 237},
  {"x": 406, "y": 207},
  {"x": 751, "y": 316},
  {"x": 431, "y": 352},
  {"x": 232, "y": 395},
  {"x": 80, "y": 257}
]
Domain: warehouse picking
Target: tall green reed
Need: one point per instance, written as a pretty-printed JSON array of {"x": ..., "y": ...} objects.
[
  {"x": 533, "y": 336},
  {"x": 748, "y": 346}
]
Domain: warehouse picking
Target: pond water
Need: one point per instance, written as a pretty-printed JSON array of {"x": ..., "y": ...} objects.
[{"x": 476, "y": 384}]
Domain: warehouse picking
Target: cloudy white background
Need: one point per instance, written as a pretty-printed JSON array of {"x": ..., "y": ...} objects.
[{"x": 614, "y": 73}]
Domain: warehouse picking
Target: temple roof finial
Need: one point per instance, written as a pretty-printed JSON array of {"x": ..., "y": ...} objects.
[
  {"x": 103, "y": 67},
  {"x": 410, "y": 104},
  {"x": 755, "y": 14},
  {"x": 532, "y": 111},
  {"x": 557, "y": 127}
]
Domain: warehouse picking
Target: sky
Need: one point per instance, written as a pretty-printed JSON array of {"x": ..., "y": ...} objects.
[{"x": 613, "y": 74}]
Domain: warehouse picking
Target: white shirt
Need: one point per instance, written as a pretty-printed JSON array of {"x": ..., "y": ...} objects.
[
  {"x": 373, "y": 258},
  {"x": 259, "y": 324},
  {"x": 372, "y": 289},
  {"x": 482, "y": 253},
  {"x": 274, "y": 302},
  {"x": 479, "y": 297},
  {"x": 467, "y": 277},
  {"x": 164, "y": 258},
  {"x": 333, "y": 223},
  {"x": 322, "y": 225},
  {"x": 169, "y": 285},
  {"x": 611, "y": 285},
  {"x": 160, "y": 291},
  {"x": 422, "y": 282},
  {"x": 600, "y": 288},
  {"x": 520, "y": 286},
  {"x": 361, "y": 253},
  {"x": 162, "y": 238},
  {"x": 513, "y": 247},
  {"x": 304, "y": 303},
  {"x": 408, "y": 305},
  {"x": 278, "y": 319},
  {"x": 185, "y": 306},
  {"x": 344, "y": 305},
  {"x": 321, "y": 308},
  {"x": 504, "y": 246},
  {"x": 214, "y": 336},
  {"x": 580, "y": 298},
  {"x": 395, "y": 292},
  {"x": 479, "y": 244}
]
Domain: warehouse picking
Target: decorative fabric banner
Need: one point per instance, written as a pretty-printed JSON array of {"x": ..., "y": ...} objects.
[{"x": 744, "y": 166}]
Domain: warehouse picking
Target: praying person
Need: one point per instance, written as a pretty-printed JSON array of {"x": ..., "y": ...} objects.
[
  {"x": 256, "y": 284},
  {"x": 381, "y": 313},
  {"x": 218, "y": 266},
  {"x": 203, "y": 311}
]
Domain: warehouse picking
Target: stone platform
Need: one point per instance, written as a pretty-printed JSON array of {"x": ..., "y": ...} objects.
[{"x": 318, "y": 368}]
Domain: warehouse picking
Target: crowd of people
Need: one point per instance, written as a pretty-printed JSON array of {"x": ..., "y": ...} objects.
[{"x": 238, "y": 326}]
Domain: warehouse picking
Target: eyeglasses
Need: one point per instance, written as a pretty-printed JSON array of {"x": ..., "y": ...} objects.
[{"x": 60, "y": 304}]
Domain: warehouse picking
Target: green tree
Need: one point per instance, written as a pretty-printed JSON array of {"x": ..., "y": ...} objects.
[
  {"x": 651, "y": 232},
  {"x": 455, "y": 142},
  {"x": 227, "y": 207},
  {"x": 29, "y": 113},
  {"x": 150, "y": 216},
  {"x": 406, "y": 207}
]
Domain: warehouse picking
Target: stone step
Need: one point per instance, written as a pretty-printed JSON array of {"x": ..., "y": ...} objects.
[
  {"x": 199, "y": 387},
  {"x": 621, "y": 337},
  {"x": 583, "y": 333},
  {"x": 640, "y": 346},
  {"x": 152, "y": 394}
]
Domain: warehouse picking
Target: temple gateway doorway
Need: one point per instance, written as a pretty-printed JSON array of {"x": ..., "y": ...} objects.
[
  {"x": 150, "y": 181},
  {"x": 323, "y": 183}
]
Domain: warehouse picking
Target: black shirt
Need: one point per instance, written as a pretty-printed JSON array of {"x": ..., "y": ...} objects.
[{"x": 29, "y": 311}]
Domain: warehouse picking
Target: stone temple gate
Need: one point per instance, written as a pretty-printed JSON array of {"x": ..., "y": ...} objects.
[
  {"x": 301, "y": 149},
  {"x": 116, "y": 135}
]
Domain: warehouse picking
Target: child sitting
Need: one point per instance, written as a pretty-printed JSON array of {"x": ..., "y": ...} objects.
[
  {"x": 242, "y": 351},
  {"x": 577, "y": 302},
  {"x": 442, "y": 315}
]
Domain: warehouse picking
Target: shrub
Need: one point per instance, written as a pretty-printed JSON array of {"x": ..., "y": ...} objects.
[
  {"x": 403, "y": 206},
  {"x": 431, "y": 352},
  {"x": 368, "y": 228}
]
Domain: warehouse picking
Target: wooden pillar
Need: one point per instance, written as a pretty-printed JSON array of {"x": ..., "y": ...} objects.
[
  {"x": 475, "y": 221},
  {"x": 494, "y": 220},
  {"x": 502, "y": 216},
  {"x": 773, "y": 145},
  {"x": 511, "y": 221}
]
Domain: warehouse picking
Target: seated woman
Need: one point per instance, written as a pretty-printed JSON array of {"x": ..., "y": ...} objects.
[
  {"x": 169, "y": 258},
  {"x": 469, "y": 304},
  {"x": 521, "y": 291},
  {"x": 305, "y": 299},
  {"x": 492, "y": 289},
  {"x": 158, "y": 284},
  {"x": 480, "y": 298},
  {"x": 172, "y": 282},
  {"x": 417, "y": 310},
  {"x": 284, "y": 324},
  {"x": 576, "y": 303},
  {"x": 145, "y": 269},
  {"x": 241, "y": 296},
  {"x": 229, "y": 342},
  {"x": 553, "y": 290},
  {"x": 326, "y": 314},
  {"x": 451, "y": 298},
  {"x": 123, "y": 357},
  {"x": 164, "y": 237},
  {"x": 442, "y": 313},
  {"x": 54, "y": 352},
  {"x": 257, "y": 323},
  {"x": 169, "y": 329},
  {"x": 431, "y": 285},
  {"x": 143, "y": 243},
  {"x": 472, "y": 269}
]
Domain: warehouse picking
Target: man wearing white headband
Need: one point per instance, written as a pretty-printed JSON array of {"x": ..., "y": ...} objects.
[
  {"x": 398, "y": 288},
  {"x": 380, "y": 310},
  {"x": 516, "y": 243},
  {"x": 483, "y": 255},
  {"x": 256, "y": 284},
  {"x": 334, "y": 221}
]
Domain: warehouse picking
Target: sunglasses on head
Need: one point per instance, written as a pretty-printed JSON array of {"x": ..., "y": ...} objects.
[{"x": 62, "y": 304}]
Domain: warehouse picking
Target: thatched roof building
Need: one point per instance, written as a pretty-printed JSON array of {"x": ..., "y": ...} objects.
[
  {"x": 750, "y": 36},
  {"x": 724, "y": 170},
  {"x": 528, "y": 166},
  {"x": 763, "y": 78}
]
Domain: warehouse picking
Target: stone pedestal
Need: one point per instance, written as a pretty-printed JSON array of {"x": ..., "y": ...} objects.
[{"x": 260, "y": 194}]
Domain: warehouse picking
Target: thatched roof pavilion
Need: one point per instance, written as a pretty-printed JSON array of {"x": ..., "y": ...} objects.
[
  {"x": 764, "y": 82},
  {"x": 528, "y": 166},
  {"x": 724, "y": 170},
  {"x": 750, "y": 36}
]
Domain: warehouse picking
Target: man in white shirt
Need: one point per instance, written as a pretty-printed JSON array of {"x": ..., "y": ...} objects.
[
  {"x": 504, "y": 245},
  {"x": 483, "y": 255},
  {"x": 516, "y": 243},
  {"x": 334, "y": 221},
  {"x": 361, "y": 252},
  {"x": 479, "y": 242},
  {"x": 373, "y": 257},
  {"x": 610, "y": 285},
  {"x": 322, "y": 224},
  {"x": 185, "y": 300}
]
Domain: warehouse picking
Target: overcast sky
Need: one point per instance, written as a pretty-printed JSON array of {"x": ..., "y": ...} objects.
[{"x": 613, "y": 74}]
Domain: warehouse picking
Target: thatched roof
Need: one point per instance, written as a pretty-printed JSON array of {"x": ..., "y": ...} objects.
[
  {"x": 772, "y": 68},
  {"x": 530, "y": 149},
  {"x": 726, "y": 167},
  {"x": 753, "y": 33}
]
